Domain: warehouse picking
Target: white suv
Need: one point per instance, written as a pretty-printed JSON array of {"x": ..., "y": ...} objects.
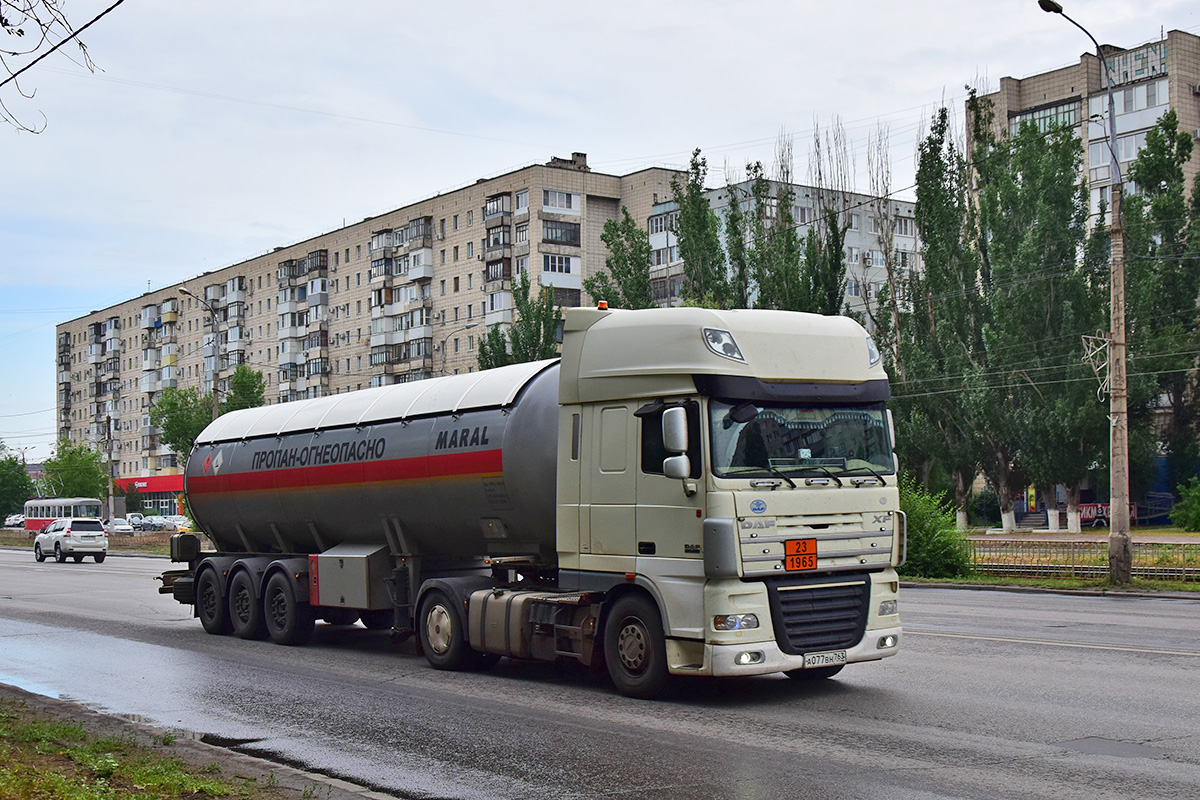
[{"x": 72, "y": 536}]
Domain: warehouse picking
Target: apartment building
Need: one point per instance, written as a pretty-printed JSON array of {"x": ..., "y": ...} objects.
[
  {"x": 881, "y": 235},
  {"x": 397, "y": 297},
  {"x": 1147, "y": 80}
]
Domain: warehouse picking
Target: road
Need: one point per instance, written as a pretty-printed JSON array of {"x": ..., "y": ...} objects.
[{"x": 995, "y": 695}]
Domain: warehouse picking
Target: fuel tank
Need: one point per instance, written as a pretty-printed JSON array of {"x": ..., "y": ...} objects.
[{"x": 455, "y": 467}]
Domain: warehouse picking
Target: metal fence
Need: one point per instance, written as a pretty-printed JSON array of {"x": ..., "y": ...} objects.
[{"x": 1168, "y": 562}]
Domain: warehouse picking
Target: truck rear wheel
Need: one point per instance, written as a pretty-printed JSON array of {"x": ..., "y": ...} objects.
[
  {"x": 441, "y": 630},
  {"x": 634, "y": 647},
  {"x": 210, "y": 604},
  {"x": 245, "y": 612},
  {"x": 288, "y": 621}
]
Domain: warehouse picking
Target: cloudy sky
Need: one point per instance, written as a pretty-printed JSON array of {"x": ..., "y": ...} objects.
[{"x": 212, "y": 132}]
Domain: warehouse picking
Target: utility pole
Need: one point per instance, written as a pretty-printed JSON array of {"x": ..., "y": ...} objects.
[
  {"x": 1120, "y": 549},
  {"x": 108, "y": 447}
]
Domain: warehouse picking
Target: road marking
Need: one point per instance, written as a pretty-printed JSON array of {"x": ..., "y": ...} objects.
[{"x": 1046, "y": 643}]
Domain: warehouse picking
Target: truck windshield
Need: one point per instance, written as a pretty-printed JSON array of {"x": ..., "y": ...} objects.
[{"x": 766, "y": 439}]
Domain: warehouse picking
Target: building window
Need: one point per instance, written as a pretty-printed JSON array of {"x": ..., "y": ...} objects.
[
  {"x": 560, "y": 264},
  {"x": 905, "y": 226},
  {"x": 522, "y": 264},
  {"x": 552, "y": 198},
  {"x": 567, "y": 233},
  {"x": 456, "y": 222},
  {"x": 470, "y": 249},
  {"x": 804, "y": 215},
  {"x": 522, "y": 200},
  {"x": 522, "y": 234},
  {"x": 456, "y": 252},
  {"x": 470, "y": 218}
]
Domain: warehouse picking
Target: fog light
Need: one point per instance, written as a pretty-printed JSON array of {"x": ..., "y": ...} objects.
[
  {"x": 735, "y": 622},
  {"x": 887, "y": 642},
  {"x": 749, "y": 657},
  {"x": 888, "y": 608}
]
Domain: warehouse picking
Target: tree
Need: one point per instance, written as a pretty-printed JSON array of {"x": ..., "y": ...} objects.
[
  {"x": 15, "y": 484},
  {"x": 76, "y": 470},
  {"x": 741, "y": 283},
  {"x": 33, "y": 30},
  {"x": 181, "y": 414},
  {"x": 1163, "y": 267},
  {"x": 626, "y": 283},
  {"x": 533, "y": 334},
  {"x": 775, "y": 252},
  {"x": 246, "y": 389},
  {"x": 705, "y": 277},
  {"x": 133, "y": 498}
]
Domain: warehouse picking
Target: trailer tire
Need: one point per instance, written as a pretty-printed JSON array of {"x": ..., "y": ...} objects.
[
  {"x": 210, "y": 604},
  {"x": 289, "y": 621},
  {"x": 440, "y": 628},
  {"x": 635, "y": 649},
  {"x": 245, "y": 610},
  {"x": 814, "y": 674}
]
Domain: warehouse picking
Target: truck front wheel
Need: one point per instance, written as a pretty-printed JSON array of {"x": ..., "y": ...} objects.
[
  {"x": 441, "y": 630},
  {"x": 288, "y": 620},
  {"x": 634, "y": 647}
]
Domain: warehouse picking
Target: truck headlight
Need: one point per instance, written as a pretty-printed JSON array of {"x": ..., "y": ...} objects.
[
  {"x": 888, "y": 608},
  {"x": 735, "y": 622}
]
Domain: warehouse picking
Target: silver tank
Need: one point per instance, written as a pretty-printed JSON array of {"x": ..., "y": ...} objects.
[{"x": 454, "y": 467}]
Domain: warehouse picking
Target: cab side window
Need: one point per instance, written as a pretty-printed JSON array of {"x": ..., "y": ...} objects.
[{"x": 653, "y": 450}]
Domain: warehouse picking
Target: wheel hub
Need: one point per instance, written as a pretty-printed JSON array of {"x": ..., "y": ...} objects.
[
  {"x": 631, "y": 646},
  {"x": 438, "y": 629}
]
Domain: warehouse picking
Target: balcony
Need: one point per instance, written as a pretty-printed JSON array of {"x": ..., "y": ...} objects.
[{"x": 501, "y": 316}]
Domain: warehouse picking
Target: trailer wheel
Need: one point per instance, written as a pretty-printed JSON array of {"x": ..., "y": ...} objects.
[
  {"x": 814, "y": 674},
  {"x": 210, "y": 603},
  {"x": 634, "y": 647},
  {"x": 245, "y": 612},
  {"x": 441, "y": 630},
  {"x": 288, "y": 621}
]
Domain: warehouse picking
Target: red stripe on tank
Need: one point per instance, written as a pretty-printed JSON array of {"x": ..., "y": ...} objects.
[{"x": 480, "y": 463}]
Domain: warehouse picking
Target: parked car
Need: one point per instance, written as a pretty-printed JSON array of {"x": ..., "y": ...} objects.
[
  {"x": 157, "y": 523},
  {"x": 72, "y": 536},
  {"x": 120, "y": 525},
  {"x": 182, "y": 523},
  {"x": 134, "y": 519},
  {"x": 14, "y": 521}
]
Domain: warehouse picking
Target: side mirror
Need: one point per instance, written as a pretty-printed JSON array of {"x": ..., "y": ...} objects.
[
  {"x": 675, "y": 430},
  {"x": 677, "y": 467}
]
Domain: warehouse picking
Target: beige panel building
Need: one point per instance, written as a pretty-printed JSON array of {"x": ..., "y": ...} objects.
[
  {"x": 402, "y": 296},
  {"x": 1148, "y": 79}
]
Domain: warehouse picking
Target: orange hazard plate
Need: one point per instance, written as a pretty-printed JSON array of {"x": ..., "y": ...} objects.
[{"x": 799, "y": 554}]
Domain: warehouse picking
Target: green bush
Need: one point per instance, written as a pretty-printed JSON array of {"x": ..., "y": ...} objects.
[
  {"x": 983, "y": 508},
  {"x": 1186, "y": 513},
  {"x": 935, "y": 548}
]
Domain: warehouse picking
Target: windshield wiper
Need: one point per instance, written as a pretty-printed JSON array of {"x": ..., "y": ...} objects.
[
  {"x": 878, "y": 476},
  {"x": 825, "y": 470},
  {"x": 775, "y": 470}
]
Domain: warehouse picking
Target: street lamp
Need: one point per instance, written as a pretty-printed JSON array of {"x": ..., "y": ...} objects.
[
  {"x": 445, "y": 338},
  {"x": 212, "y": 316},
  {"x": 1120, "y": 551}
]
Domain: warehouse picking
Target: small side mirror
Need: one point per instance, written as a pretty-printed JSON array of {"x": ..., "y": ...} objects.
[
  {"x": 677, "y": 467},
  {"x": 675, "y": 430}
]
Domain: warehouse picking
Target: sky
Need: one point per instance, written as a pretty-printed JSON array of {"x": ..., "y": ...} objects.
[{"x": 213, "y": 132}]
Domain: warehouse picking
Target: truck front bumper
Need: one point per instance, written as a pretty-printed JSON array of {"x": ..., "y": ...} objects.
[{"x": 763, "y": 658}]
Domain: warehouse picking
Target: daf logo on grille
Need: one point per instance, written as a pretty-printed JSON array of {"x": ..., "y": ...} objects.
[{"x": 758, "y": 506}]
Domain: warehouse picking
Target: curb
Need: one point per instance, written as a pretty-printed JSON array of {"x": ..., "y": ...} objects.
[
  {"x": 286, "y": 780},
  {"x": 1046, "y": 590}
]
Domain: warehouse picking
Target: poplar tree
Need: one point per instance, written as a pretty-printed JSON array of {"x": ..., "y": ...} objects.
[
  {"x": 625, "y": 281},
  {"x": 705, "y": 277}
]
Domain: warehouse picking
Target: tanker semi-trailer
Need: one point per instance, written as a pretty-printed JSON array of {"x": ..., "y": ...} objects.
[{"x": 684, "y": 491}]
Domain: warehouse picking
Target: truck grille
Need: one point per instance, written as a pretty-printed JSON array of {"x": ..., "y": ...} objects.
[
  {"x": 814, "y": 615},
  {"x": 844, "y": 541}
]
